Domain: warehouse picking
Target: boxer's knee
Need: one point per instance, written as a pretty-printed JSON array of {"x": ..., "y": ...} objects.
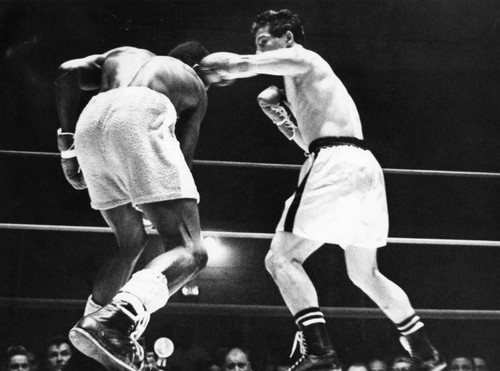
[
  {"x": 362, "y": 267},
  {"x": 365, "y": 279},
  {"x": 269, "y": 262},
  {"x": 275, "y": 262},
  {"x": 198, "y": 253}
]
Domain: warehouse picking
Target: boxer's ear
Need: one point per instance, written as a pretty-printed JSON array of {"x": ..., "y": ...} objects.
[{"x": 289, "y": 39}]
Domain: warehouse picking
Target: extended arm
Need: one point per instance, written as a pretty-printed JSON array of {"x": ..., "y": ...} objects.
[{"x": 281, "y": 62}]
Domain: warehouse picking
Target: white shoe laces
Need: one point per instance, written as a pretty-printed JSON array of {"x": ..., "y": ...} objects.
[
  {"x": 406, "y": 344},
  {"x": 141, "y": 322},
  {"x": 283, "y": 114},
  {"x": 299, "y": 340},
  {"x": 280, "y": 110}
]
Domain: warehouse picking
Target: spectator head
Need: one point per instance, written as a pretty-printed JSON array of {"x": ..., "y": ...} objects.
[
  {"x": 58, "y": 354},
  {"x": 461, "y": 363},
  {"x": 236, "y": 359},
  {"x": 357, "y": 366},
  {"x": 401, "y": 363},
  {"x": 377, "y": 364},
  {"x": 16, "y": 359},
  {"x": 480, "y": 364}
]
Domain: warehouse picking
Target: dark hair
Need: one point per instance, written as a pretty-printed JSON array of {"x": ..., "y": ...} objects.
[
  {"x": 279, "y": 22},
  {"x": 189, "y": 52},
  {"x": 15, "y": 350},
  {"x": 57, "y": 341}
]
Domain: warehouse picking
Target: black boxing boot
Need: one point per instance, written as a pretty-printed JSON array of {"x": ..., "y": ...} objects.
[
  {"x": 110, "y": 335},
  {"x": 414, "y": 340},
  {"x": 315, "y": 344}
]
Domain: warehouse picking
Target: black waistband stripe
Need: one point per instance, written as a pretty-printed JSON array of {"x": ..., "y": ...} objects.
[{"x": 324, "y": 142}]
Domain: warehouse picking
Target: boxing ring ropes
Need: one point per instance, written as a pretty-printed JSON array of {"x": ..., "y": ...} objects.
[{"x": 263, "y": 310}]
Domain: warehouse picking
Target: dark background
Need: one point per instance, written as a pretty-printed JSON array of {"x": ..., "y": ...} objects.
[{"x": 425, "y": 75}]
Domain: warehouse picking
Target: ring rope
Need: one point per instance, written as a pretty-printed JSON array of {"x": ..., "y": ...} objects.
[
  {"x": 259, "y": 165},
  {"x": 250, "y": 235},
  {"x": 256, "y": 310}
]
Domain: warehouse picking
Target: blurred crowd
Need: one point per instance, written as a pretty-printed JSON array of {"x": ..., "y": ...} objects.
[{"x": 59, "y": 355}]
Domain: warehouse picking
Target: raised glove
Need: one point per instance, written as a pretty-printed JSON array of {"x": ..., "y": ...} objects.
[
  {"x": 273, "y": 103},
  {"x": 69, "y": 162}
]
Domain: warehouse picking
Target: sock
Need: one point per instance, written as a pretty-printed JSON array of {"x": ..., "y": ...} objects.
[
  {"x": 150, "y": 287},
  {"x": 91, "y": 306},
  {"x": 412, "y": 330},
  {"x": 410, "y": 325},
  {"x": 309, "y": 316},
  {"x": 137, "y": 314},
  {"x": 133, "y": 304},
  {"x": 313, "y": 326}
]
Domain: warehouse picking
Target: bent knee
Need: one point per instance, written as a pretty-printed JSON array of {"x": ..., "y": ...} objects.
[
  {"x": 363, "y": 278},
  {"x": 275, "y": 262},
  {"x": 269, "y": 261},
  {"x": 199, "y": 254}
]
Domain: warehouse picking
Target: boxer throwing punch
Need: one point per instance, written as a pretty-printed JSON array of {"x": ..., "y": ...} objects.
[
  {"x": 340, "y": 198},
  {"x": 134, "y": 142}
]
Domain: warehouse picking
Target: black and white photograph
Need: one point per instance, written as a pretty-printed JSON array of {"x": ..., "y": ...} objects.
[{"x": 224, "y": 185}]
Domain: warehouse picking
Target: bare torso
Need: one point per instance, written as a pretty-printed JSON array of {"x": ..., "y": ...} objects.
[
  {"x": 126, "y": 66},
  {"x": 320, "y": 101}
]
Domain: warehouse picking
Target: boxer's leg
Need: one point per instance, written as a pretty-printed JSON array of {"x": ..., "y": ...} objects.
[
  {"x": 284, "y": 262},
  {"x": 109, "y": 335},
  {"x": 362, "y": 269}
]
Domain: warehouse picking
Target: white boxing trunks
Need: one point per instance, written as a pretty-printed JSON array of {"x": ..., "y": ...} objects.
[
  {"x": 126, "y": 146},
  {"x": 341, "y": 197}
]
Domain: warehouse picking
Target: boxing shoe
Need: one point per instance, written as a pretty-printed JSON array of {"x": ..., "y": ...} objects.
[
  {"x": 110, "y": 336},
  {"x": 327, "y": 361},
  {"x": 423, "y": 355}
]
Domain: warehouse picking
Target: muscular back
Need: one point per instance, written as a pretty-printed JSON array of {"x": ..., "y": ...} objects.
[
  {"x": 127, "y": 66},
  {"x": 119, "y": 66}
]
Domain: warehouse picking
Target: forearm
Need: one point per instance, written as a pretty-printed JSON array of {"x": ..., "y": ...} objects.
[
  {"x": 268, "y": 63},
  {"x": 300, "y": 141},
  {"x": 67, "y": 105},
  {"x": 230, "y": 66},
  {"x": 187, "y": 131},
  {"x": 68, "y": 95},
  {"x": 188, "y": 149}
]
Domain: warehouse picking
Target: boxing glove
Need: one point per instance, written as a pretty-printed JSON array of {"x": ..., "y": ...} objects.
[
  {"x": 223, "y": 68},
  {"x": 273, "y": 103},
  {"x": 69, "y": 162}
]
